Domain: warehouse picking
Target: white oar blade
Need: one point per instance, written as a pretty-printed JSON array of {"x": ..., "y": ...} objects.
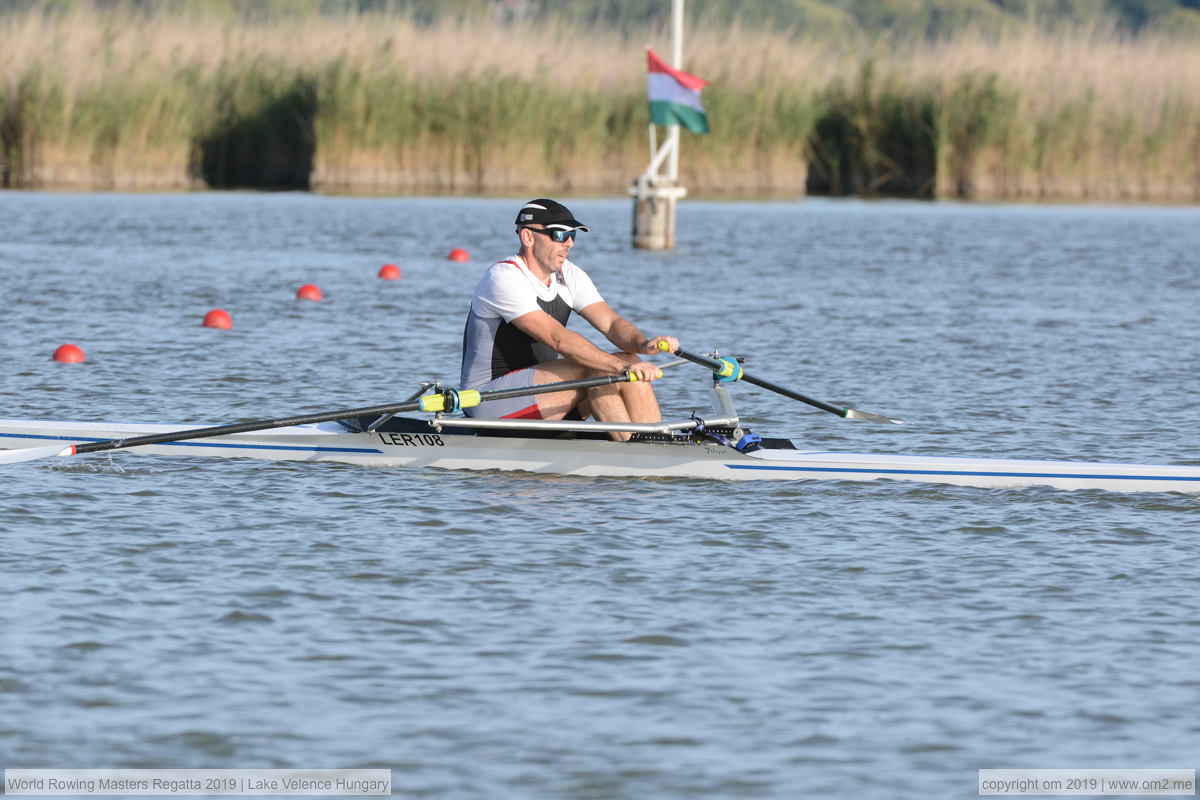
[
  {"x": 852, "y": 413},
  {"x": 34, "y": 453}
]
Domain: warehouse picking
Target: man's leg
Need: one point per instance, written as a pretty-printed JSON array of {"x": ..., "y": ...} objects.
[
  {"x": 556, "y": 405},
  {"x": 624, "y": 402},
  {"x": 619, "y": 402},
  {"x": 640, "y": 401}
]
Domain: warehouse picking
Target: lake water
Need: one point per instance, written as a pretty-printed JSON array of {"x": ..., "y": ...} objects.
[{"x": 489, "y": 635}]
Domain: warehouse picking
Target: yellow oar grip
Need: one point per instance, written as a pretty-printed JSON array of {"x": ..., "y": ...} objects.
[
  {"x": 664, "y": 347},
  {"x": 633, "y": 378},
  {"x": 432, "y": 402},
  {"x": 466, "y": 398}
]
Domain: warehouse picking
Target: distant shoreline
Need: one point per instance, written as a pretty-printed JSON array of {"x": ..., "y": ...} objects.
[{"x": 380, "y": 105}]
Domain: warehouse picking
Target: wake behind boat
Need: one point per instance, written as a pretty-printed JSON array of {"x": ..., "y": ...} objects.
[{"x": 719, "y": 448}]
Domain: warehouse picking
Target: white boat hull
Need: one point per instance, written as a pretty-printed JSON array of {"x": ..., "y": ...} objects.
[{"x": 595, "y": 457}]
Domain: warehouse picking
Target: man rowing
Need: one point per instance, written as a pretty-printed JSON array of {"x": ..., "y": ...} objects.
[{"x": 516, "y": 332}]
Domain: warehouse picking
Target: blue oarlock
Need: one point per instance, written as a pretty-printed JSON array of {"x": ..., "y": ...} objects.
[
  {"x": 749, "y": 443},
  {"x": 453, "y": 402},
  {"x": 729, "y": 371}
]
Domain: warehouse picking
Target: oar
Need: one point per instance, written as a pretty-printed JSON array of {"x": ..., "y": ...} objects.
[
  {"x": 728, "y": 367},
  {"x": 447, "y": 400}
]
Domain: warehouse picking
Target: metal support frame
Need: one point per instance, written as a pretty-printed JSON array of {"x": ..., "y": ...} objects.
[
  {"x": 723, "y": 404},
  {"x": 440, "y": 422}
]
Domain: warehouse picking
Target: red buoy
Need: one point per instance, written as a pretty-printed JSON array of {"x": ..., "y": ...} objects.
[
  {"x": 218, "y": 318},
  {"x": 309, "y": 292},
  {"x": 69, "y": 354},
  {"x": 458, "y": 254},
  {"x": 389, "y": 272}
]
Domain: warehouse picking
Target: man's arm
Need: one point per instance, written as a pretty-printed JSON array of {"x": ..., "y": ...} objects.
[
  {"x": 547, "y": 330},
  {"x": 621, "y": 332}
]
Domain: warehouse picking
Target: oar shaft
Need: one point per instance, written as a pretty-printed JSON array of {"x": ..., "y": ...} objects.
[
  {"x": 330, "y": 416},
  {"x": 725, "y": 368},
  {"x": 241, "y": 427},
  {"x": 713, "y": 364}
]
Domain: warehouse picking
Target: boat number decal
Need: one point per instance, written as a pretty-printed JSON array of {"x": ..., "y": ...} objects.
[{"x": 415, "y": 439}]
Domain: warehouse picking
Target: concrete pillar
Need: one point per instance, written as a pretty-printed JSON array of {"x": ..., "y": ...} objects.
[{"x": 654, "y": 214}]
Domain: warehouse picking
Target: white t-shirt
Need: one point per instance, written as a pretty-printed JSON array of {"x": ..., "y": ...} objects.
[{"x": 492, "y": 345}]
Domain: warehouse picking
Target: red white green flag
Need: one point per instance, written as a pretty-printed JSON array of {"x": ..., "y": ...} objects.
[{"x": 675, "y": 96}]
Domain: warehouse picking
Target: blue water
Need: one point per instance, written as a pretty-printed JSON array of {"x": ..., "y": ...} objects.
[{"x": 488, "y": 635}]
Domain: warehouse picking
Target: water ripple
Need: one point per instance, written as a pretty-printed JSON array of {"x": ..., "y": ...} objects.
[{"x": 518, "y": 635}]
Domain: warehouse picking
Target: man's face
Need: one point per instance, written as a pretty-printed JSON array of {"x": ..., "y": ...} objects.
[{"x": 548, "y": 253}]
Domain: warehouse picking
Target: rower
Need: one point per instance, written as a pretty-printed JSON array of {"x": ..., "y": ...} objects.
[{"x": 516, "y": 332}]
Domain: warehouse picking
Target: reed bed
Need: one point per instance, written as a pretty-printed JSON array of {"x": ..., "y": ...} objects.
[{"x": 114, "y": 100}]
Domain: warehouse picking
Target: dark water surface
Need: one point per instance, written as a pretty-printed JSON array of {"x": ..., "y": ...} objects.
[{"x": 511, "y": 636}]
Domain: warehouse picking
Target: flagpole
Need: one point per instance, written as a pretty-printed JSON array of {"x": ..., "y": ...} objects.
[
  {"x": 655, "y": 196},
  {"x": 677, "y": 63}
]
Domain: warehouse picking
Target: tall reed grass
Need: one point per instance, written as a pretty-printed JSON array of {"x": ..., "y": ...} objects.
[{"x": 116, "y": 100}]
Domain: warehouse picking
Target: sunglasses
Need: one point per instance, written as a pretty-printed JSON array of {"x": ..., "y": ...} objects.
[{"x": 556, "y": 235}]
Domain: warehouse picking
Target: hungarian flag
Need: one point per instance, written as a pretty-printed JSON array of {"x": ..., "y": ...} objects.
[{"x": 675, "y": 96}]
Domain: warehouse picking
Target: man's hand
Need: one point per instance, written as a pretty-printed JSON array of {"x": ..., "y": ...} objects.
[
  {"x": 645, "y": 371},
  {"x": 651, "y": 345}
]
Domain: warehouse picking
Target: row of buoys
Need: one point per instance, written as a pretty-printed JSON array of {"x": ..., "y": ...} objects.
[{"x": 221, "y": 319}]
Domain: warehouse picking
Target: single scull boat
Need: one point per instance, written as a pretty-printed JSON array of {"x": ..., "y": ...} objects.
[{"x": 715, "y": 448}]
